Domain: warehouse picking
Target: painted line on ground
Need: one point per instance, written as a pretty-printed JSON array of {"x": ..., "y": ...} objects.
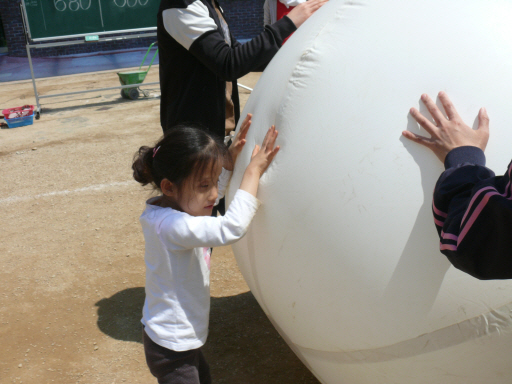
[{"x": 97, "y": 187}]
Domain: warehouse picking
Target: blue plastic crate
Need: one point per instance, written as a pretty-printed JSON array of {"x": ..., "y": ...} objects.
[{"x": 20, "y": 121}]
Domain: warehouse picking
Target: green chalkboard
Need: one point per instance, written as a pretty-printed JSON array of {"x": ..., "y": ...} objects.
[{"x": 63, "y": 18}]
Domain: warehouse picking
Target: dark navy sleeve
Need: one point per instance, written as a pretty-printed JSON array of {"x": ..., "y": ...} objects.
[{"x": 473, "y": 215}]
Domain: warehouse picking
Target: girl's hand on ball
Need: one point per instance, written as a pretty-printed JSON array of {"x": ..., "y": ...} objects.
[
  {"x": 262, "y": 157},
  {"x": 239, "y": 141},
  {"x": 260, "y": 160},
  {"x": 448, "y": 132}
]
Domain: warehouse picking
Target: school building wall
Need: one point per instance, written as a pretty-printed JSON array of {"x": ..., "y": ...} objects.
[{"x": 245, "y": 18}]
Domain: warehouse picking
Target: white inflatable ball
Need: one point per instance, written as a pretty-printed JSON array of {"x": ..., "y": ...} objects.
[{"x": 343, "y": 256}]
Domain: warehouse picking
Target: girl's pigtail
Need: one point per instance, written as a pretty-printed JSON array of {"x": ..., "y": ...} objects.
[{"x": 142, "y": 165}]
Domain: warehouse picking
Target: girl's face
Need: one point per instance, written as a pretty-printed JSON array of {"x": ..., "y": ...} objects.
[{"x": 199, "y": 193}]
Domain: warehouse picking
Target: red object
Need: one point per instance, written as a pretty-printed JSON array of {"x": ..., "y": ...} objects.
[
  {"x": 282, "y": 11},
  {"x": 12, "y": 113}
]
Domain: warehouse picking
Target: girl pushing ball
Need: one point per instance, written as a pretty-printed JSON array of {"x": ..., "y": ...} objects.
[{"x": 192, "y": 169}]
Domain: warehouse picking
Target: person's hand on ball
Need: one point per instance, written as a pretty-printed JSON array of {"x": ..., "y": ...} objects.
[
  {"x": 448, "y": 132},
  {"x": 239, "y": 141}
]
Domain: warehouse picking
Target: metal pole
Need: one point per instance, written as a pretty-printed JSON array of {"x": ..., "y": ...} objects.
[
  {"x": 64, "y": 37},
  {"x": 101, "y": 39},
  {"x": 38, "y": 109},
  {"x": 243, "y": 86},
  {"x": 26, "y": 28}
]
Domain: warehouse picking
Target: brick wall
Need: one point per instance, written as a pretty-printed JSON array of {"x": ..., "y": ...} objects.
[
  {"x": 245, "y": 18},
  {"x": 13, "y": 26}
]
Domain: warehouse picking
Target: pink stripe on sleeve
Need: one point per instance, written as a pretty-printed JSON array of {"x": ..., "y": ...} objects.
[
  {"x": 449, "y": 236},
  {"x": 475, "y": 214},
  {"x": 437, "y": 211},
  {"x": 475, "y": 196},
  {"x": 508, "y": 185},
  {"x": 449, "y": 247},
  {"x": 438, "y": 222}
]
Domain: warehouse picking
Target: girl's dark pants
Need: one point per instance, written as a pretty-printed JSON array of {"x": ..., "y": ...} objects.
[{"x": 171, "y": 367}]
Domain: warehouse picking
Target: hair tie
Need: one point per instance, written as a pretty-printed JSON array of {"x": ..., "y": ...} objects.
[{"x": 155, "y": 150}]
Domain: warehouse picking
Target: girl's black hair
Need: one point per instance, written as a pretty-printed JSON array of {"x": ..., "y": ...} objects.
[{"x": 184, "y": 150}]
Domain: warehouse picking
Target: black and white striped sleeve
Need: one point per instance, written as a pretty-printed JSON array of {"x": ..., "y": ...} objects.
[
  {"x": 186, "y": 25},
  {"x": 195, "y": 29}
]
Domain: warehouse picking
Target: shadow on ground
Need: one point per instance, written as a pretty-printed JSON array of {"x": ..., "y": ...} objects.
[{"x": 242, "y": 347}]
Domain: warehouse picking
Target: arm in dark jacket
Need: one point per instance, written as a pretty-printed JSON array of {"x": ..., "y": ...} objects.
[
  {"x": 195, "y": 29},
  {"x": 473, "y": 215},
  {"x": 232, "y": 63}
]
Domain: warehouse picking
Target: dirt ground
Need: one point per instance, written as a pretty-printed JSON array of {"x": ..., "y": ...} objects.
[{"x": 72, "y": 252}]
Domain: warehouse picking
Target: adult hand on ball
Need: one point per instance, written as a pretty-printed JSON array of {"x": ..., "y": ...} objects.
[
  {"x": 303, "y": 11},
  {"x": 448, "y": 132}
]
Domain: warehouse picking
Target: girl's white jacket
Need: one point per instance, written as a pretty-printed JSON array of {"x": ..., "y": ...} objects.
[{"x": 177, "y": 306}]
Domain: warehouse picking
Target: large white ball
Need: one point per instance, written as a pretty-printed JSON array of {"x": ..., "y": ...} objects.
[{"x": 343, "y": 255}]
